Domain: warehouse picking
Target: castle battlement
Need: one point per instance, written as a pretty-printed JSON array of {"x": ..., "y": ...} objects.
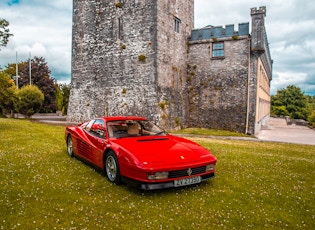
[
  {"x": 260, "y": 10},
  {"x": 211, "y": 32}
]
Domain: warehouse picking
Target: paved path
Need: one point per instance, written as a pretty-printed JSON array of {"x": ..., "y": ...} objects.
[{"x": 277, "y": 130}]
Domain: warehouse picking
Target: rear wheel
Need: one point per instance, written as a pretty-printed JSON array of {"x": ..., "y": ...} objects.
[
  {"x": 70, "y": 146},
  {"x": 112, "y": 169}
]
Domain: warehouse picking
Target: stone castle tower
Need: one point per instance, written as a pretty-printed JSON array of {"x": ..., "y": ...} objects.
[
  {"x": 143, "y": 57},
  {"x": 129, "y": 57}
]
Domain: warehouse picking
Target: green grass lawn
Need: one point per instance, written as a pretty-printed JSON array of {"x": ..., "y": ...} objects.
[
  {"x": 258, "y": 185},
  {"x": 209, "y": 132}
]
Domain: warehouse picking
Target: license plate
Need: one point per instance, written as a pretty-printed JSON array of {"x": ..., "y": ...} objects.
[{"x": 187, "y": 181}]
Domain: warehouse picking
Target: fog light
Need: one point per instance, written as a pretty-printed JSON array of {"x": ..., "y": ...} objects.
[
  {"x": 210, "y": 167},
  {"x": 158, "y": 176}
]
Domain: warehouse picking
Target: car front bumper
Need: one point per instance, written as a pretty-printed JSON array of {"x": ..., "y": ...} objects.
[{"x": 161, "y": 185}]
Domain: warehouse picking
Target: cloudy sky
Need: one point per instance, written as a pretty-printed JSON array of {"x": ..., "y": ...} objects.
[{"x": 43, "y": 28}]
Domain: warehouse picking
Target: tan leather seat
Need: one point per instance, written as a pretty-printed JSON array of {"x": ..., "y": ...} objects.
[
  {"x": 110, "y": 131},
  {"x": 133, "y": 129}
]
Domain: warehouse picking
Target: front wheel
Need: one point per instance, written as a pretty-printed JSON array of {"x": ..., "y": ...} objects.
[
  {"x": 112, "y": 169},
  {"x": 70, "y": 146}
]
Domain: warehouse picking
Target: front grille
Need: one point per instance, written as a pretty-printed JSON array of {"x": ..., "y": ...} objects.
[{"x": 184, "y": 172}]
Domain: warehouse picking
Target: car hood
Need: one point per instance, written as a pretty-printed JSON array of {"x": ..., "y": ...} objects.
[{"x": 164, "y": 150}]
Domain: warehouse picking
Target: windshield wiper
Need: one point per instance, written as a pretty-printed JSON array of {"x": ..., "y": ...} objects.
[{"x": 159, "y": 133}]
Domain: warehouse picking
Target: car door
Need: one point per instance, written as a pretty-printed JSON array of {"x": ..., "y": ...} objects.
[
  {"x": 97, "y": 140},
  {"x": 83, "y": 144}
]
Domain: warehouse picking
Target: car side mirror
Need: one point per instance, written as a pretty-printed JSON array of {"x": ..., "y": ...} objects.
[{"x": 98, "y": 129}]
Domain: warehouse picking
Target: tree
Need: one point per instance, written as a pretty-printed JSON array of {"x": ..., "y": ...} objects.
[
  {"x": 4, "y": 32},
  {"x": 8, "y": 92},
  {"x": 311, "y": 107},
  {"x": 62, "y": 97},
  {"x": 65, "y": 90},
  {"x": 311, "y": 118},
  {"x": 292, "y": 101},
  {"x": 59, "y": 98},
  {"x": 30, "y": 100},
  {"x": 280, "y": 111},
  {"x": 40, "y": 76}
]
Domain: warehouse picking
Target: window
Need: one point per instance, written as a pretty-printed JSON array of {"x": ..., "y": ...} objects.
[
  {"x": 89, "y": 125},
  {"x": 132, "y": 128},
  {"x": 100, "y": 122},
  {"x": 119, "y": 28},
  {"x": 98, "y": 132},
  {"x": 217, "y": 49},
  {"x": 177, "y": 22}
]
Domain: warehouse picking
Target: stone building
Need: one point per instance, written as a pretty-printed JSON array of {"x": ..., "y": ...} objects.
[
  {"x": 143, "y": 57},
  {"x": 229, "y": 74}
]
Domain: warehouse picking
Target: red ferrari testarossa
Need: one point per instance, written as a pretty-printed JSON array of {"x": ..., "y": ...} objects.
[{"x": 136, "y": 151}]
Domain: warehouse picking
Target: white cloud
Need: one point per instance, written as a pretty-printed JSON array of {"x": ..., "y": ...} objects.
[{"x": 42, "y": 28}]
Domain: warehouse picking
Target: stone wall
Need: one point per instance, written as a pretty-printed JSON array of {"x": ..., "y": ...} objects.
[
  {"x": 127, "y": 59},
  {"x": 172, "y": 59},
  {"x": 114, "y": 59},
  {"x": 217, "y": 88}
]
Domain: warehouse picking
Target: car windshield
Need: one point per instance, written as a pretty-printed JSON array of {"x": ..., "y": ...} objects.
[{"x": 133, "y": 128}]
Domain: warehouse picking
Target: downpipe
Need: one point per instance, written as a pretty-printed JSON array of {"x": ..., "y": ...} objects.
[{"x": 248, "y": 84}]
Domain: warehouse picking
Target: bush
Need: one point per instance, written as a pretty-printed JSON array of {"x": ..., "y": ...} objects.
[
  {"x": 311, "y": 119},
  {"x": 291, "y": 101},
  {"x": 7, "y": 93},
  {"x": 142, "y": 57},
  {"x": 30, "y": 100},
  {"x": 279, "y": 111}
]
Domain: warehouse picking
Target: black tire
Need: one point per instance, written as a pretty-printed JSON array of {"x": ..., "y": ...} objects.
[
  {"x": 111, "y": 168},
  {"x": 70, "y": 146}
]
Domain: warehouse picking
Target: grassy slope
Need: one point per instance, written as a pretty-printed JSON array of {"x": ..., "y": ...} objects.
[{"x": 258, "y": 185}]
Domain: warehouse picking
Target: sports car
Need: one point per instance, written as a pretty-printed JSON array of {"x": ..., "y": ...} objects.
[{"x": 135, "y": 151}]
